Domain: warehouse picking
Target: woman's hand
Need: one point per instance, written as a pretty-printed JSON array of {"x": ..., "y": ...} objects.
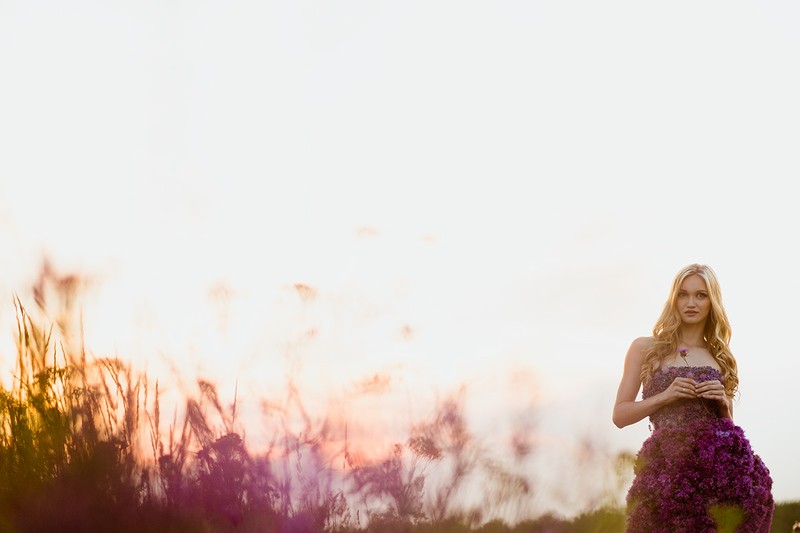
[
  {"x": 681, "y": 389},
  {"x": 714, "y": 390},
  {"x": 711, "y": 390}
]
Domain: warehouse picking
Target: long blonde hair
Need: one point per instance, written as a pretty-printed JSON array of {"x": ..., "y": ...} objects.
[{"x": 717, "y": 333}]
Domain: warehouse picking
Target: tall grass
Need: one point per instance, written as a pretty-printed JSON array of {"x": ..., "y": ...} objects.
[
  {"x": 68, "y": 450},
  {"x": 84, "y": 446}
]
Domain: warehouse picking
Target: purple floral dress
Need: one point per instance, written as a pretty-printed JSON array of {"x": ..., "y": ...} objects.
[{"x": 696, "y": 469}]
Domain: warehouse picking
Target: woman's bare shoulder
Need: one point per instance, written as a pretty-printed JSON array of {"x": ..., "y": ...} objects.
[
  {"x": 643, "y": 342},
  {"x": 640, "y": 345}
]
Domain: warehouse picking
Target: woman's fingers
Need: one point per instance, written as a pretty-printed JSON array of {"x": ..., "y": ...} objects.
[
  {"x": 689, "y": 388},
  {"x": 712, "y": 390},
  {"x": 706, "y": 386},
  {"x": 685, "y": 387}
]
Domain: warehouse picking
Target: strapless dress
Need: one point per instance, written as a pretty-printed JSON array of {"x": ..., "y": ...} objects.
[{"x": 696, "y": 472}]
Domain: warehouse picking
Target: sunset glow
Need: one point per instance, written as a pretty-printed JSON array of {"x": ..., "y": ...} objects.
[{"x": 348, "y": 215}]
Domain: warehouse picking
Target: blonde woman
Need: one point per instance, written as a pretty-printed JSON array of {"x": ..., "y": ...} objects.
[{"x": 696, "y": 472}]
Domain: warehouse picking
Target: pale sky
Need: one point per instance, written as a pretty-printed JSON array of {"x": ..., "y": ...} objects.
[{"x": 494, "y": 195}]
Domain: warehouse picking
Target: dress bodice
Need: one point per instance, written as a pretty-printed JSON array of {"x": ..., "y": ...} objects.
[{"x": 681, "y": 412}]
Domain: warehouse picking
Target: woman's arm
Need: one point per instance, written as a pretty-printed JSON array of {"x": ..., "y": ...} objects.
[{"x": 627, "y": 410}]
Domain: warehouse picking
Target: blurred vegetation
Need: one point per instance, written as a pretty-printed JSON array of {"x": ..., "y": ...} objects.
[{"x": 83, "y": 447}]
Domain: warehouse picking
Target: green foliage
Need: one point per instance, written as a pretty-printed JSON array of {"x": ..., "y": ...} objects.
[
  {"x": 727, "y": 517},
  {"x": 786, "y": 515}
]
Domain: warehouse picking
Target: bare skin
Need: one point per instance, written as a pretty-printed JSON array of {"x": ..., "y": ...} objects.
[{"x": 694, "y": 305}]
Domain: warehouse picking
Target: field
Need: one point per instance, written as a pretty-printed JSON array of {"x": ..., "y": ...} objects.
[{"x": 85, "y": 446}]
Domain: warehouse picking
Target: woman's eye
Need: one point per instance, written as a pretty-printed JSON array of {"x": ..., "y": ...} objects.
[{"x": 702, "y": 295}]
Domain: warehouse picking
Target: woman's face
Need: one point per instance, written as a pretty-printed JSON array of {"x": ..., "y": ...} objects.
[{"x": 693, "y": 302}]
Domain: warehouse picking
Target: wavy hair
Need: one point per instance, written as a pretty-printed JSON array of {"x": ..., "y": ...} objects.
[{"x": 717, "y": 333}]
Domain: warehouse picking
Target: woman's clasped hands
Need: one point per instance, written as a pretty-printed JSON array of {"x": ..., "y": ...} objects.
[{"x": 685, "y": 388}]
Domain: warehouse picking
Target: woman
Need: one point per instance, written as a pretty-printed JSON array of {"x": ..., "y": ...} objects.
[{"x": 696, "y": 472}]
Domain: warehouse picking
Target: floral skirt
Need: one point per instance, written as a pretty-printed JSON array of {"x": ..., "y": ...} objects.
[{"x": 698, "y": 477}]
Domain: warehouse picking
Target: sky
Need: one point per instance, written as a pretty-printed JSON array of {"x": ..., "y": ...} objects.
[{"x": 391, "y": 201}]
